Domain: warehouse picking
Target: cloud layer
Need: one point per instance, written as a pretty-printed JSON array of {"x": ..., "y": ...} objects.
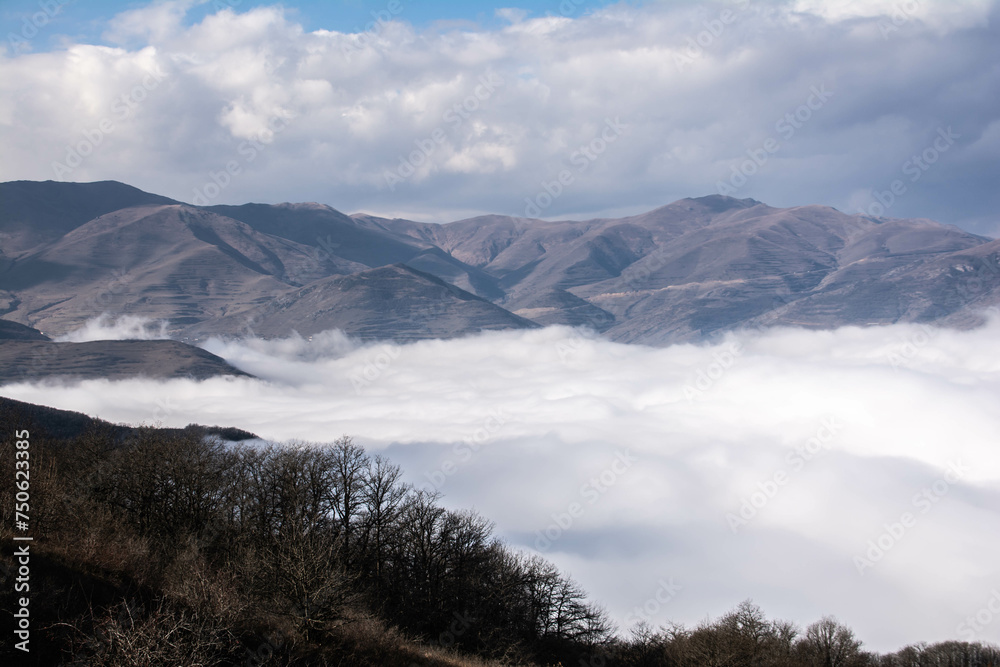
[
  {"x": 249, "y": 106},
  {"x": 850, "y": 472}
]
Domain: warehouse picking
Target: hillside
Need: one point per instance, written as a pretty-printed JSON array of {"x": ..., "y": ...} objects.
[
  {"x": 34, "y": 360},
  {"x": 700, "y": 266},
  {"x": 685, "y": 271},
  {"x": 391, "y": 302},
  {"x": 173, "y": 547}
]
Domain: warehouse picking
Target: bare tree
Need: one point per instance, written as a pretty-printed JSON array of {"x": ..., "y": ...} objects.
[
  {"x": 349, "y": 466},
  {"x": 382, "y": 496},
  {"x": 827, "y": 643}
]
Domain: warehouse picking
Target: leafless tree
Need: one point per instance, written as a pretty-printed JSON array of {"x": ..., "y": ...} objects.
[{"x": 827, "y": 643}]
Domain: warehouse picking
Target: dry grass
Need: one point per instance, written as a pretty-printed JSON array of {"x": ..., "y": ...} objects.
[{"x": 368, "y": 640}]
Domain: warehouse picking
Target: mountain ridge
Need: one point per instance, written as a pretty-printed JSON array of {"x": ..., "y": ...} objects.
[{"x": 685, "y": 271}]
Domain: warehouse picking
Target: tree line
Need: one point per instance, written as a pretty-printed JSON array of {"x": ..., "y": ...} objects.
[{"x": 182, "y": 547}]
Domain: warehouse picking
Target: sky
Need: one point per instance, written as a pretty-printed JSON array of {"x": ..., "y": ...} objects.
[
  {"x": 88, "y": 20},
  {"x": 568, "y": 109},
  {"x": 850, "y": 473}
]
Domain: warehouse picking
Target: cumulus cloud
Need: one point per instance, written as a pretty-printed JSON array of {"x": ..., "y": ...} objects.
[
  {"x": 851, "y": 472},
  {"x": 324, "y": 115},
  {"x": 154, "y": 22},
  {"x": 939, "y": 13}
]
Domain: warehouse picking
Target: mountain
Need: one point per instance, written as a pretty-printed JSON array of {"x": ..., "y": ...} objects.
[
  {"x": 37, "y": 212},
  {"x": 173, "y": 262},
  {"x": 682, "y": 272},
  {"x": 27, "y": 355},
  {"x": 391, "y": 302},
  {"x": 60, "y": 425},
  {"x": 700, "y": 266},
  {"x": 334, "y": 236},
  {"x": 30, "y": 360},
  {"x": 192, "y": 265},
  {"x": 14, "y": 331}
]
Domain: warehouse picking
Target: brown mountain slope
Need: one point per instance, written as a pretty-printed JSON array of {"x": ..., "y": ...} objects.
[
  {"x": 699, "y": 266},
  {"x": 684, "y": 271},
  {"x": 30, "y": 361},
  {"x": 173, "y": 262},
  {"x": 394, "y": 302},
  {"x": 33, "y": 213}
]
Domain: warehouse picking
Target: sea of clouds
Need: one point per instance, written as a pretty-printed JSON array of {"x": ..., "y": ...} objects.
[{"x": 852, "y": 472}]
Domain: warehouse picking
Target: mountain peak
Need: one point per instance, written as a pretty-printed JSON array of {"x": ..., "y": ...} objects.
[
  {"x": 720, "y": 203},
  {"x": 306, "y": 206}
]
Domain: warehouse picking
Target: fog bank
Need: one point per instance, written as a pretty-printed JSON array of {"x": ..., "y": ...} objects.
[{"x": 852, "y": 472}]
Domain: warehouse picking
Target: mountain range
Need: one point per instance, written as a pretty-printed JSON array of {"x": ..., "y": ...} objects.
[{"x": 683, "y": 272}]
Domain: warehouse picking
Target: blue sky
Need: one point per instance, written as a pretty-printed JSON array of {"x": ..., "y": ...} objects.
[{"x": 86, "y": 20}]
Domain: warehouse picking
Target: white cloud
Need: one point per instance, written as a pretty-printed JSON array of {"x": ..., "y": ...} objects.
[
  {"x": 511, "y": 14},
  {"x": 696, "y": 91},
  {"x": 155, "y": 22},
  {"x": 123, "y": 327},
  {"x": 860, "y": 421},
  {"x": 943, "y": 14}
]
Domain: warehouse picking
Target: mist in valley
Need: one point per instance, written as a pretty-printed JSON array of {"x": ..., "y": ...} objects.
[{"x": 849, "y": 472}]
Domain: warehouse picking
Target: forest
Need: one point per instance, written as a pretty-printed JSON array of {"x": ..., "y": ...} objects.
[{"x": 202, "y": 546}]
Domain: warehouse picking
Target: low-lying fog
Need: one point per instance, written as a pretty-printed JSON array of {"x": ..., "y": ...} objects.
[{"x": 853, "y": 472}]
